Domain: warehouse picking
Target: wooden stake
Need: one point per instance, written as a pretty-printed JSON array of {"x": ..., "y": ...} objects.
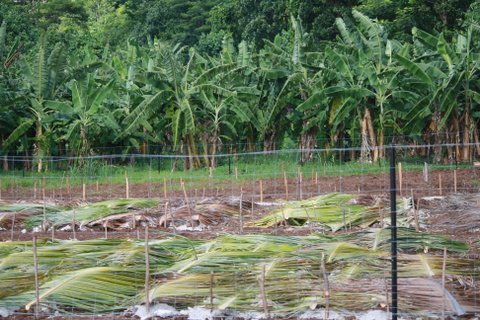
[
  {"x": 13, "y": 226},
  {"x": 326, "y": 287},
  {"x": 187, "y": 202},
  {"x": 415, "y": 213},
  {"x": 165, "y": 188},
  {"x": 134, "y": 221},
  {"x": 34, "y": 189},
  {"x": 300, "y": 180},
  {"x": 400, "y": 178},
  {"x": 84, "y": 192},
  {"x": 211, "y": 291},
  {"x": 127, "y": 187},
  {"x": 0, "y": 188},
  {"x": 35, "y": 269},
  {"x": 261, "y": 191},
  {"x": 241, "y": 210},
  {"x": 96, "y": 186},
  {"x": 73, "y": 226},
  {"x": 53, "y": 233},
  {"x": 444, "y": 265},
  {"x": 147, "y": 272},
  {"x": 425, "y": 172},
  {"x": 68, "y": 187},
  {"x": 210, "y": 169},
  {"x": 455, "y": 181},
  {"x": 236, "y": 172},
  {"x": 263, "y": 293},
  {"x": 44, "y": 224},
  {"x": 440, "y": 183},
  {"x": 43, "y": 188},
  {"x": 106, "y": 229},
  {"x": 285, "y": 181}
]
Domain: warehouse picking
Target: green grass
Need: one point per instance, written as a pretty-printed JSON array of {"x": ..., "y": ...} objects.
[{"x": 155, "y": 171}]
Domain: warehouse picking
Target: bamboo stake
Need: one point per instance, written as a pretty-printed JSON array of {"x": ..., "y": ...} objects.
[
  {"x": 326, "y": 287},
  {"x": 165, "y": 188},
  {"x": 127, "y": 187},
  {"x": 187, "y": 202},
  {"x": 285, "y": 181},
  {"x": 96, "y": 186},
  {"x": 455, "y": 181},
  {"x": 147, "y": 272},
  {"x": 440, "y": 183},
  {"x": 261, "y": 191},
  {"x": 263, "y": 293},
  {"x": 444, "y": 264},
  {"x": 106, "y": 229},
  {"x": 13, "y": 226},
  {"x": 84, "y": 192},
  {"x": 400, "y": 178},
  {"x": 236, "y": 172},
  {"x": 35, "y": 268},
  {"x": 53, "y": 233},
  {"x": 211, "y": 291},
  {"x": 73, "y": 226}
]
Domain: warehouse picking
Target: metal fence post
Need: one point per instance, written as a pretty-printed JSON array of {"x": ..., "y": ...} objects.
[{"x": 393, "y": 231}]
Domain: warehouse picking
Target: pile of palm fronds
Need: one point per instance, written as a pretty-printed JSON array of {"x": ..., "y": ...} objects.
[
  {"x": 280, "y": 275},
  {"x": 112, "y": 213},
  {"x": 331, "y": 212},
  {"x": 19, "y": 212}
]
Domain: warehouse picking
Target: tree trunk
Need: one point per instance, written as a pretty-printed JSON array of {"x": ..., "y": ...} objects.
[
  {"x": 308, "y": 142},
  {"x": 205, "y": 151},
  {"x": 193, "y": 152},
  {"x": 39, "y": 146},
  {"x": 467, "y": 130},
  {"x": 371, "y": 133},
  {"x": 365, "y": 148}
]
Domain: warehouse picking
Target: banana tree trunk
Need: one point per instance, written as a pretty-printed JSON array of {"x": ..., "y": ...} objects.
[
  {"x": 369, "y": 149},
  {"x": 307, "y": 143},
  {"x": 193, "y": 152},
  {"x": 39, "y": 146},
  {"x": 205, "y": 151},
  {"x": 477, "y": 140},
  {"x": 467, "y": 130}
]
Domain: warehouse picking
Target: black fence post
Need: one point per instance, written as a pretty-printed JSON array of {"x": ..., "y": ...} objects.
[{"x": 393, "y": 229}]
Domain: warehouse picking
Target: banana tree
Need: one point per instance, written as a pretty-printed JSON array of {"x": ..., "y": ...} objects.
[
  {"x": 43, "y": 79},
  {"x": 84, "y": 117},
  {"x": 448, "y": 77}
]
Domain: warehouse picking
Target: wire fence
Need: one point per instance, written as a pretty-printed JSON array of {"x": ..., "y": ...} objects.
[{"x": 261, "y": 234}]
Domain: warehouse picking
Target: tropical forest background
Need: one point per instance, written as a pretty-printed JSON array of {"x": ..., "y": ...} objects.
[{"x": 194, "y": 77}]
